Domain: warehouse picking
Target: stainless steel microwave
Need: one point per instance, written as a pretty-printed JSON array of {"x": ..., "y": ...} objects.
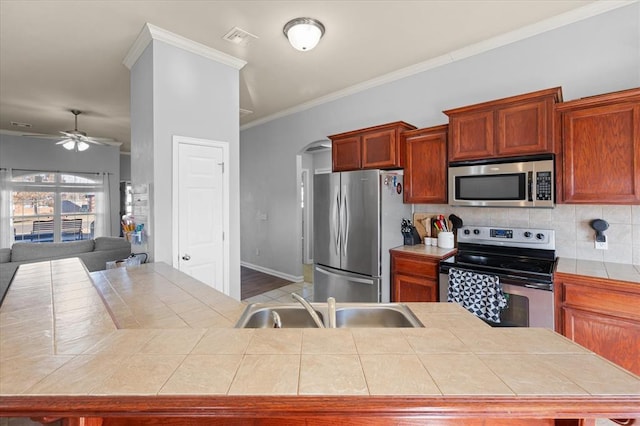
[{"x": 506, "y": 182}]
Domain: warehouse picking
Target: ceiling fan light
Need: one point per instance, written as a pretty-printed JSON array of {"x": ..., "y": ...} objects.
[
  {"x": 69, "y": 145},
  {"x": 82, "y": 146},
  {"x": 304, "y": 33}
]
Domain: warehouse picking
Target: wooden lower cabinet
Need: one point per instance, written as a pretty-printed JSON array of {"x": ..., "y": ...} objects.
[
  {"x": 602, "y": 315},
  {"x": 414, "y": 278},
  {"x": 407, "y": 288}
]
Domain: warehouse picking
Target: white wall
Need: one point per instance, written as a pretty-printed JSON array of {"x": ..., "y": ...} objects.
[
  {"x": 21, "y": 152},
  {"x": 597, "y": 55},
  {"x": 175, "y": 92},
  {"x": 125, "y": 166}
]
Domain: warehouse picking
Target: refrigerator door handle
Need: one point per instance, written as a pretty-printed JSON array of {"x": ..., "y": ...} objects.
[
  {"x": 350, "y": 277},
  {"x": 336, "y": 220},
  {"x": 345, "y": 221}
]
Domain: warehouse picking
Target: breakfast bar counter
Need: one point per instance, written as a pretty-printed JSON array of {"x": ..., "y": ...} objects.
[{"x": 151, "y": 345}]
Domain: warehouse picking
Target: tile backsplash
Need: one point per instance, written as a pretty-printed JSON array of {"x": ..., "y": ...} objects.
[{"x": 574, "y": 236}]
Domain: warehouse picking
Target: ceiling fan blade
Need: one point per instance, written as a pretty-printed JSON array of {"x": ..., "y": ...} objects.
[
  {"x": 40, "y": 136},
  {"x": 63, "y": 141}
]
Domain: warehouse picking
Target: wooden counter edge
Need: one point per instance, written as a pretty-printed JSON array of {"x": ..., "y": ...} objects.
[{"x": 321, "y": 406}]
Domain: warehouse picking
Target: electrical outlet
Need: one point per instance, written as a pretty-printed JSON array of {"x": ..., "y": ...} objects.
[{"x": 602, "y": 245}]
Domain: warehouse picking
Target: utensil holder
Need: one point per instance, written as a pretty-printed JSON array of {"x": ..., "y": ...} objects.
[{"x": 445, "y": 239}]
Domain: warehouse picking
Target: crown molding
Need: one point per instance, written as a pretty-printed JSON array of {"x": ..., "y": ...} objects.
[
  {"x": 567, "y": 18},
  {"x": 151, "y": 32}
]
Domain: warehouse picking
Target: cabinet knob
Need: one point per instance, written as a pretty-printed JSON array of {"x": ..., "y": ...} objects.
[{"x": 186, "y": 257}]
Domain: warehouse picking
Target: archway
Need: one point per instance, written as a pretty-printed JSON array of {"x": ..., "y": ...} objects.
[{"x": 313, "y": 159}]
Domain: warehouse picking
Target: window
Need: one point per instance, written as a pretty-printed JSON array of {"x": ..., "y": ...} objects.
[{"x": 54, "y": 207}]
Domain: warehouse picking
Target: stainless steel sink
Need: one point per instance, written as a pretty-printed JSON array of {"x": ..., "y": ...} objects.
[
  {"x": 348, "y": 315},
  {"x": 258, "y": 315},
  {"x": 376, "y": 315}
]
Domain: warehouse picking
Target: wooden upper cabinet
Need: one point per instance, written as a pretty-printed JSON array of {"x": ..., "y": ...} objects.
[
  {"x": 376, "y": 147},
  {"x": 471, "y": 136},
  {"x": 345, "y": 153},
  {"x": 425, "y": 170},
  {"x": 525, "y": 128},
  {"x": 518, "y": 125},
  {"x": 600, "y": 156},
  {"x": 380, "y": 150}
]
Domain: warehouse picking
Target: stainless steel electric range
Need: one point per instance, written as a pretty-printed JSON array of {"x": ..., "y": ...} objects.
[{"x": 523, "y": 260}]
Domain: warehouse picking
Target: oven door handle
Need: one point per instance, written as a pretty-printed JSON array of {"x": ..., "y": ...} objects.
[{"x": 539, "y": 287}]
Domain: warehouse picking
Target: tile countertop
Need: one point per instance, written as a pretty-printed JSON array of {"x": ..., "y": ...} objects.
[
  {"x": 597, "y": 269},
  {"x": 154, "y": 331},
  {"x": 428, "y": 251}
]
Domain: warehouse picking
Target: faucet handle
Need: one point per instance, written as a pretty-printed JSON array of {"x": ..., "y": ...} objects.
[
  {"x": 331, "y": 305},
  {"x": 277, "y": 322}
]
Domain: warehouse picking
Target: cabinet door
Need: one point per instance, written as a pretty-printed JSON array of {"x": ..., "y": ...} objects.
[
  {"x": 471, "y": 136},
  {"x": 345, "y": 154},
  {"x": 607, "y": 336},
  {"x": 602, "y": 154},
  {"x": 425, "y": 171},
  {"x": 407, "y": 288},
  {"x": 380, "y": 150},
  {"x": 601, "y": 315},
  {"x": 524, "y": 129}
]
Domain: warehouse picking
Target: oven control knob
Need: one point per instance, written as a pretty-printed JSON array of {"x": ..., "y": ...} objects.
[
  {"x": 476, "y": 232},
  {"x": 528, "y": 234},
  {"x": 467, "y": 232},
  {"x": 540, "y": 236}
]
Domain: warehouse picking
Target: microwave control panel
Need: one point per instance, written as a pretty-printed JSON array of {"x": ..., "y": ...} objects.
[{"x": 543, "y": 186}]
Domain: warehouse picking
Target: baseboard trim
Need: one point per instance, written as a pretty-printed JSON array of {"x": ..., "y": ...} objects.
[{"x": 293, "y": 278}]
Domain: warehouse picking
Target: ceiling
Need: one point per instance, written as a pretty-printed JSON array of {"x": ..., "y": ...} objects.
[{"x": 61, "y": 55}]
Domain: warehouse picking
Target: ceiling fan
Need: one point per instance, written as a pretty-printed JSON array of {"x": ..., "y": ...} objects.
[{"x": 75, "y": 139}]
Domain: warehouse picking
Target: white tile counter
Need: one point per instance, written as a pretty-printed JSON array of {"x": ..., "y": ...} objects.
[{"x": 152, "y": 332}]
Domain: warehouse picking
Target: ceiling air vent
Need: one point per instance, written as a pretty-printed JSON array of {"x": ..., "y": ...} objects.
[
  {"x": 239, "y": 36},
  {"x": 17, "y": 124}
]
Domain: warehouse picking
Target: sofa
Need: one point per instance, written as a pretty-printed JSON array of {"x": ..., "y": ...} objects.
[{"x": 94, "y": 254}]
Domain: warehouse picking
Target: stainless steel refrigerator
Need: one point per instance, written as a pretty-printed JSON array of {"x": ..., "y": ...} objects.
[{"x": 356, "y": 220}]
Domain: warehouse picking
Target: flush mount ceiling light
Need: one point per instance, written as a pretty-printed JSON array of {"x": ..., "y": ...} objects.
[{"x": 303, "y": 33}]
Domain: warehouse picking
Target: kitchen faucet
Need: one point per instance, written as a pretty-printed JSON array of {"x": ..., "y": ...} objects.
[{"x": 309, "y": 309}]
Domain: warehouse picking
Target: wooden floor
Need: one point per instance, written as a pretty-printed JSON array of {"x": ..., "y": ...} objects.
[{"x": 253, "y": 283}]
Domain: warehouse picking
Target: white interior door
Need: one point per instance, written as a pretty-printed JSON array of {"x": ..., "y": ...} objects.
[{"x": 201, "y": 208}]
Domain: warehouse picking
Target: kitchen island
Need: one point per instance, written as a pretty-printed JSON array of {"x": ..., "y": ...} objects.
[{"x": 150, "y": 345}]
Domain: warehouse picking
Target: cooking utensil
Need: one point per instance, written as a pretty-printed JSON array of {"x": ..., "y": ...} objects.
[{"x": 456, "y": 222}]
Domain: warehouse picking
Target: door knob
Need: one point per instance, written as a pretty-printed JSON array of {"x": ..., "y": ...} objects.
[{"x": 186, "y": 257}]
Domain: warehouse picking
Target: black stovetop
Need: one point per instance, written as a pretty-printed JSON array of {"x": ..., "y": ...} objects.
[{"x": 514, "y": 264}]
